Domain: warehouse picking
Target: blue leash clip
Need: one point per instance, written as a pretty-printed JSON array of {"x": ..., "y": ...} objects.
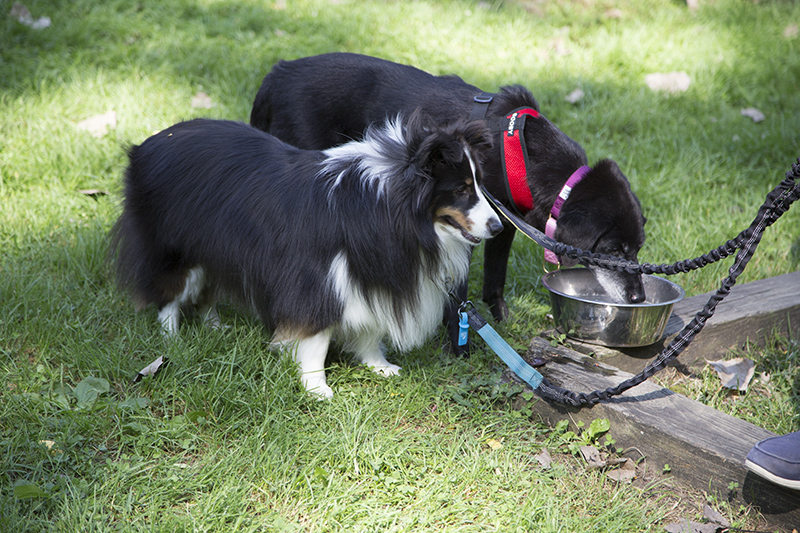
[{"x": 463, "y": 328}]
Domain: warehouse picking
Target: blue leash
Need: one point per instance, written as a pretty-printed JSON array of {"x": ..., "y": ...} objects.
[{"x": 509, "y": 356}]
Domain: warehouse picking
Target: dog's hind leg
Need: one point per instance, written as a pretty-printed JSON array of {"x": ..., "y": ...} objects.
[
  {"x": 207, "y": 308},
  {"x": 169, "y": 315},
  {"x": 309, "y": 353}
]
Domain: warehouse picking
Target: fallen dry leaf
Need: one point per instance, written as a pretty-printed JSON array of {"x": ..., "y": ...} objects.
[
  {"x": 734, "y": 373},
  {"x": 202, "y": 101},
  {"x": 712, "y": 515},
  {"x": 20, "y": 12},
  {"x": 692, "y": 527},
  {"x": 592, "y": 456},
  {"x": 151, "y": 369},
  {"x": 494, "y": 444},
  {"x": 574, "y": 97},
  {"x": 23, "y": 16},
  {"x": 51, "y": 446},
  {"x": 670, "y": 82},
  {"x": 560, "y": 47},
  {"x": 625, "y": 473},
  {"x": 544, "y": 459},
  {"x": 99, "y": 125},
  {"x": 753, "y": 113},
  {"x": 791, "y": 31},
  {"x": 93, "y": 192}
]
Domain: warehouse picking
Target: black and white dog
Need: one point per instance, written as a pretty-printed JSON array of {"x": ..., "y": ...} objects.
[
  {"x": 322, "y": 101},
  {"x": 360, "y": 242}
]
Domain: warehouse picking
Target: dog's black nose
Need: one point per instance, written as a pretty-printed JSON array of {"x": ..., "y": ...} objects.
[
  {"x": 636, "y": 297},
  {"x": 494, "y": 226}
]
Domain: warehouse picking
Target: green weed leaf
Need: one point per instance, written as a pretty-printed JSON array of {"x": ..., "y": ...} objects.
[
  {"x": 25, "y": 490},
  {"x": 134, "y": 428},
  {"x": 88, "y": 390},
  {"x": 61, "y": 396},
  {"x": 321, "y": 475},
  {"x": 598, "y": 427},
  {"x": 197, "y": 417},
  {"x": 134, "y": 403}
]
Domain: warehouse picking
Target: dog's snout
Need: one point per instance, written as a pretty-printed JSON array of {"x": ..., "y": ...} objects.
[
  {"x": 636, "y": 297},
  {"x": 635, "y": 292},
  {"x": 494, "y": 226}
]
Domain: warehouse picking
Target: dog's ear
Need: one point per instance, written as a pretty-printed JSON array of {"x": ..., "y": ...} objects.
[
  {"x": 602, "y": 214},
  {"x": 478, "y": 137},
  {"x": 581, "y": 228},
  {"x": 514, "y": 96},
  {"x": 430, "y": 143},
  {"x": 446, "y": 144},
  {"x": 582, "y": 222}
]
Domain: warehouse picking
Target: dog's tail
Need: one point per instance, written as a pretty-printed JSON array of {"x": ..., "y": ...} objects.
[
  {"x": 130, "y": 255},
  {"x": 127, "y": 258}
]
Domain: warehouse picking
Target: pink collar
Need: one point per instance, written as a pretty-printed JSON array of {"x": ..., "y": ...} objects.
[{"x": 550, "y": 228}]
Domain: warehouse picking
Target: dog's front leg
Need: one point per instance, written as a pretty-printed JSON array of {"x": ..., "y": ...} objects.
[
  {"x": 371, "y": 351},
  {"x": 495, "y": 265},
  {"x": 211, "y": 317}
]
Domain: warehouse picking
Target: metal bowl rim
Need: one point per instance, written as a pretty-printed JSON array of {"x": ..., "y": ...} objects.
[{"x": 554, "y": 273}]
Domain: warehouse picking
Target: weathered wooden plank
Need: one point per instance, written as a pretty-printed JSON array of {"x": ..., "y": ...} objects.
[
  {"x": 704, "y": 447},
  {"x": 751, "y": 312}
]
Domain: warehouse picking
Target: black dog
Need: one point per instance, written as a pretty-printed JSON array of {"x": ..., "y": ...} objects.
[
  {"x": 360, "y": 241},
  {"x": 322, "y": 101}
]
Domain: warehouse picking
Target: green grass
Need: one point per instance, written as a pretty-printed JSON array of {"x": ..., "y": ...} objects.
[{"x": 224, "y": 439}]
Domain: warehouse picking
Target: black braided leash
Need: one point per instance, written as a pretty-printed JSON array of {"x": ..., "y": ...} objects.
[{"x": 777, "y": 203}]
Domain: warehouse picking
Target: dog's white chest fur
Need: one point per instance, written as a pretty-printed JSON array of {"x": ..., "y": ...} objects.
[{"x": 375, "y": 312}]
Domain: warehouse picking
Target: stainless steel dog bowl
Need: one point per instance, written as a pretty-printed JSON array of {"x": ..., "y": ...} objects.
[{"x": 583, "y": 311}]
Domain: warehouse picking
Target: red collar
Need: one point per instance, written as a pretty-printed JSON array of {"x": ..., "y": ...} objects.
[
  {"x": 515, "y": 168},
  {"x": 515, "y": 158}
]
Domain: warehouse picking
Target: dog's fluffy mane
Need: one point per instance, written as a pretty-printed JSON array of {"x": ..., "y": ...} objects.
[{"x": 391, "y": 167}]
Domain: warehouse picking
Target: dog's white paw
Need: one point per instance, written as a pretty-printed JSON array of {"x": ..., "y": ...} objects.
[
  {"x": 322, "y": 393},
  {"x": 318, "y": 387},
  {"x": 211, "y": 319},
  {"x": 386, "y": 370}
]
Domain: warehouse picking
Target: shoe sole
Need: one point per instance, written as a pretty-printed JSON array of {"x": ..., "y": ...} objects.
[{"x": 789, "y": 483}]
